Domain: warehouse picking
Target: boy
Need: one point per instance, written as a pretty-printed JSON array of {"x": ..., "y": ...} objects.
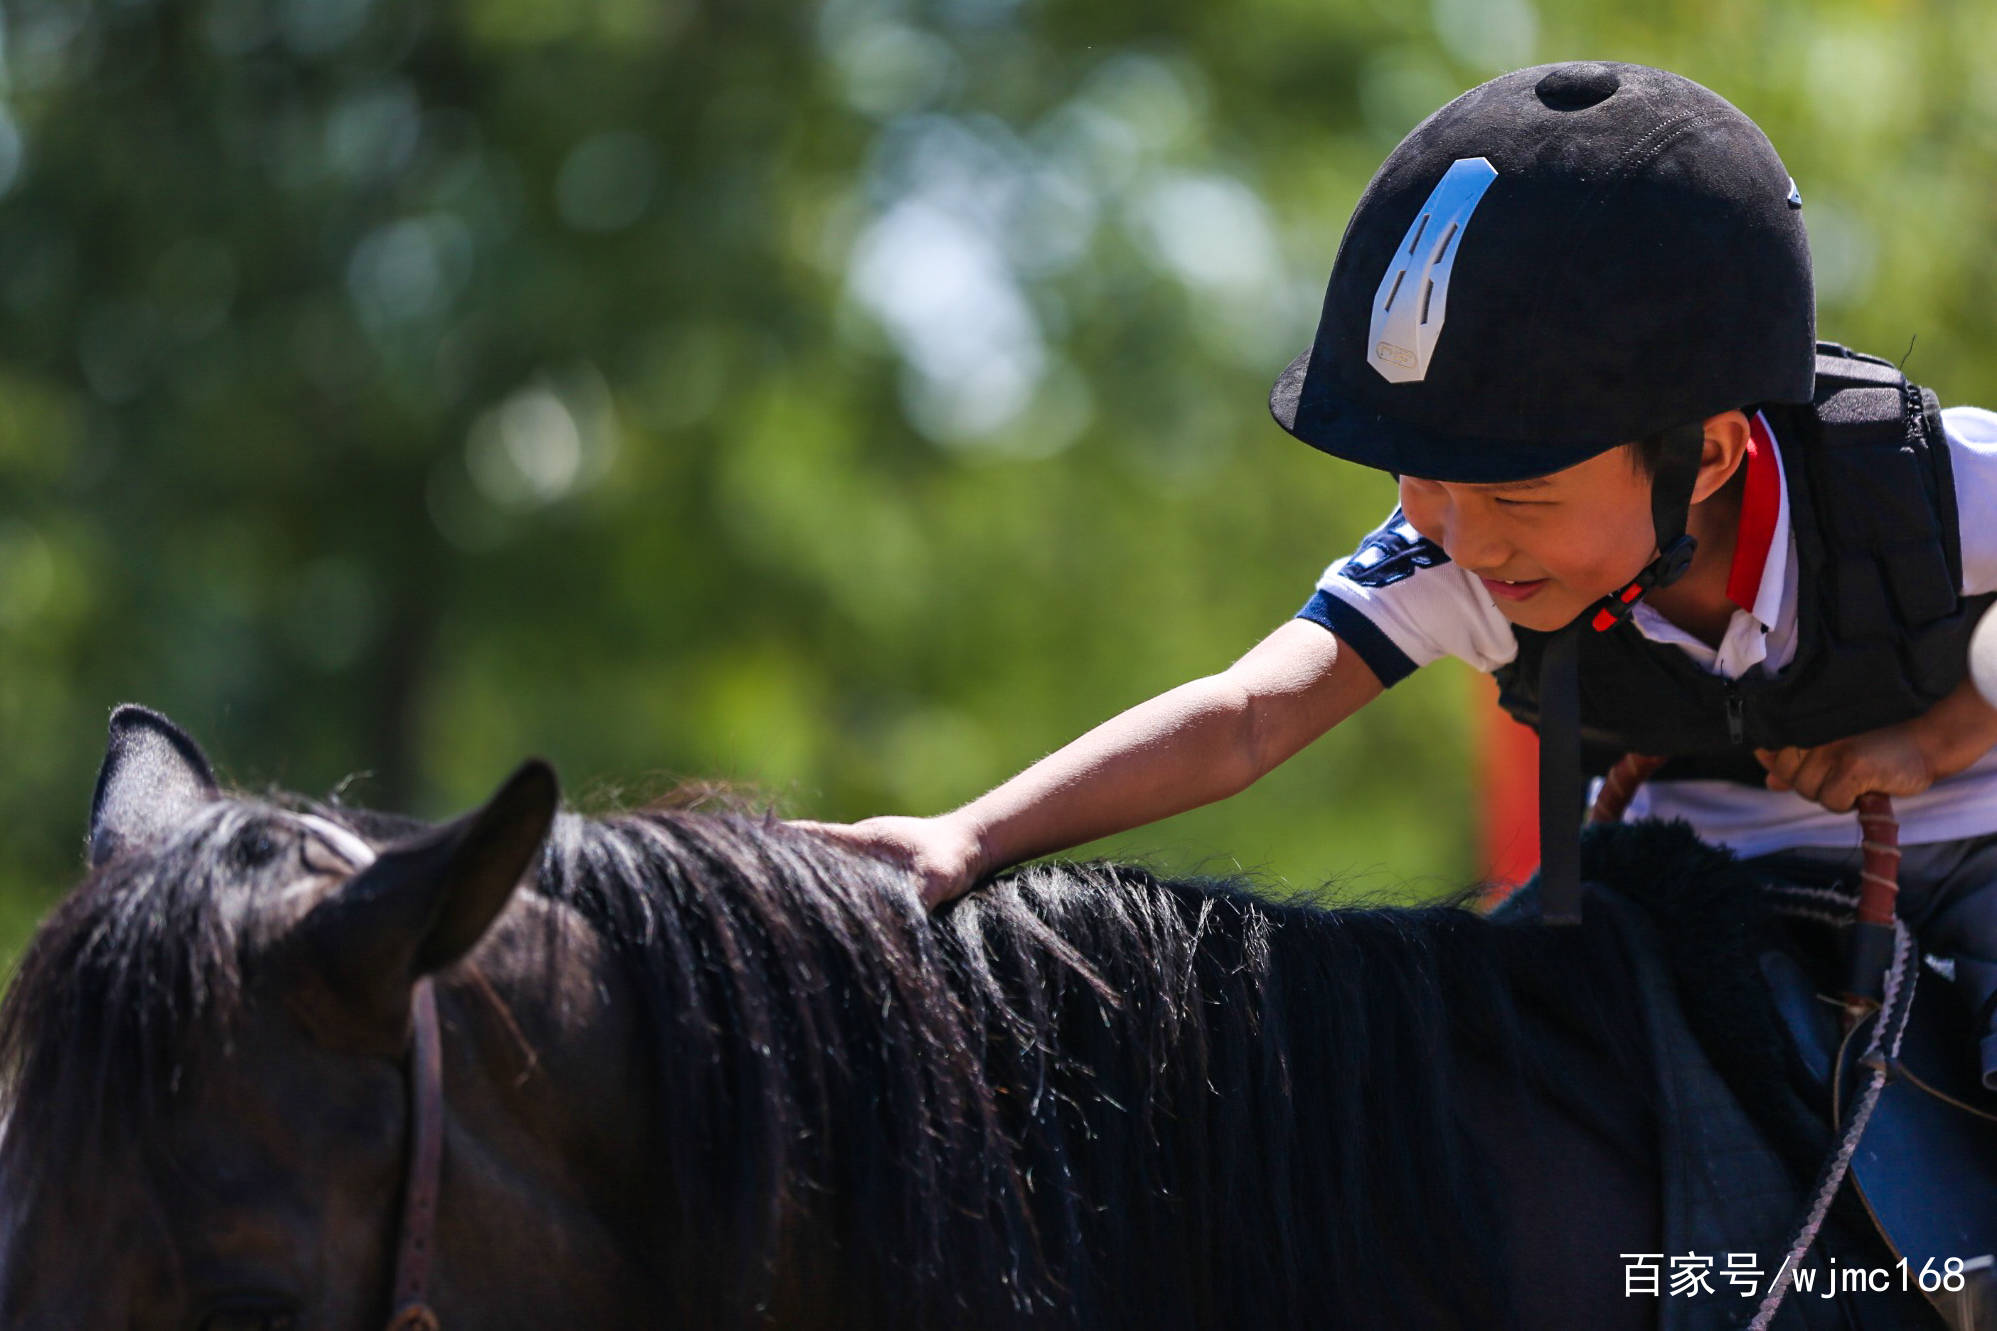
[{"x": 1573, "y": 313}]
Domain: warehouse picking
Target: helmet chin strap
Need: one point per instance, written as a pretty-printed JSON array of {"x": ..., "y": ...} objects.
[
  {"x": 1670, "y": 509},
  {"x": 1560, "y": 784}
]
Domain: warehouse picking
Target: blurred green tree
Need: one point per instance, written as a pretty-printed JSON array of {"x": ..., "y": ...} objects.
[{"x": 857, "y": 399}]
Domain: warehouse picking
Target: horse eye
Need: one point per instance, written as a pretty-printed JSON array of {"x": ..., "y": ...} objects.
[{"x": 253, "y": 847}]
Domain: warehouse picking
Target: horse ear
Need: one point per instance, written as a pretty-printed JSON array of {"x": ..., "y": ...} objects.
[
  {"x": 425, "y": 901},
  {"x": 153, "y": 777}
]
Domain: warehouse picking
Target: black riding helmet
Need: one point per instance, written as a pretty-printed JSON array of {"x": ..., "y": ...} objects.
[{"x": 1564, "y": 259}]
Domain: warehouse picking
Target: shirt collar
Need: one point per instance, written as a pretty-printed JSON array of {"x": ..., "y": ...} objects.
[
  {"x": 1757, "y": 579},
  {"x": 1761, "y": 543}
]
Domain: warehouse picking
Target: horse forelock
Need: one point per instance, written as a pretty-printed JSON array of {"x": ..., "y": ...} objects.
[{"x": 144, "y": 956}]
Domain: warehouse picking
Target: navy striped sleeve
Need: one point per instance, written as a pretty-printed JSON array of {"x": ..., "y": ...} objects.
[{"x": 1359, "y": 633}]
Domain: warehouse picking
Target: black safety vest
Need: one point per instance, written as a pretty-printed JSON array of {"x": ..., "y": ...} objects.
[{"x": 1882, "y": 629}]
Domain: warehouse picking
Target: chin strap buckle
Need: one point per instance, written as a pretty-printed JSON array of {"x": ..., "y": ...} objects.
[{"x": 1669, "y": 566}]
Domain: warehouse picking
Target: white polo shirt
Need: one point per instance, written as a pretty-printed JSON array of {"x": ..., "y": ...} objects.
[{"x": 1400, "y": 603}]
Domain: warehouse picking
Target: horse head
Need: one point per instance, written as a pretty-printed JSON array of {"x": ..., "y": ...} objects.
[{"x": 207, "y": 1061}]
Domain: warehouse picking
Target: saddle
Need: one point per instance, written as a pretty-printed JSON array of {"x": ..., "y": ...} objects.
[
  {"x": 1926, "y": 1166},
  {"x": 1742, "y": 1048}
]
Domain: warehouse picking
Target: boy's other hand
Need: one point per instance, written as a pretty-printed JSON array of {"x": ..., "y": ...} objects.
[
  {"x": 1893, "y": 760},
  {"x": 1902, "y": 759},
  {"x": 944, "y": 857}
]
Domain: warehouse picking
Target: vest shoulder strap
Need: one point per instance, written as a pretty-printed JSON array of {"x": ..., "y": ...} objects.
[{"x": 1877, "y": 473}]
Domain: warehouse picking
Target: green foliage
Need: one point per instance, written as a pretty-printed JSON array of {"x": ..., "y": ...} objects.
[{"x": 856, "y": 400}]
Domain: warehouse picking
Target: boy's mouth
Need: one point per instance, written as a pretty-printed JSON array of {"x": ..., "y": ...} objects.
[{"x": 1512, "y": 591}]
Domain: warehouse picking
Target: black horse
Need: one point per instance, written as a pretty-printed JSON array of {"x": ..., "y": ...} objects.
[{"x": 706, "y": 1070}]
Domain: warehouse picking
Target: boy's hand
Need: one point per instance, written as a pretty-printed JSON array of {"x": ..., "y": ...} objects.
[
  {"x": 943, "y": 856},
  {"x": 1893, "y": 760},
  {"x": 1902, "y": 759}
]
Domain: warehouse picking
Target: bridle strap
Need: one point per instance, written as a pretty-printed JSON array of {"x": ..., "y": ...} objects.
[{"x": 410, "y": 1309}]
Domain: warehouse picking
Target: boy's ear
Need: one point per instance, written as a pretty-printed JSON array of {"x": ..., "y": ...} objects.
[
  {"x": 1722, "y": 453},
  {"x": 153, "y": 777}
]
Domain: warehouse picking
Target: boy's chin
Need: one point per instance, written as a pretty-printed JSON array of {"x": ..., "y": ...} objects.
[{"x": 1552, "y": 609}]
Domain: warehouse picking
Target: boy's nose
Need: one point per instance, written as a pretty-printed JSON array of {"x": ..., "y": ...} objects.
[{"x": 1472, "y": 545}]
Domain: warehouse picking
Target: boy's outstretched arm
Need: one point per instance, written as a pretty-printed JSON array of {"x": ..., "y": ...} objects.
[{"x": 1189, "y": 746}]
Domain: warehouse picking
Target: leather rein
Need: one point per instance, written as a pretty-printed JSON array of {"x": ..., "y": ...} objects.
[
  {"x": 1879, "y": 879},
  {"x": 410, "y": 1309}
]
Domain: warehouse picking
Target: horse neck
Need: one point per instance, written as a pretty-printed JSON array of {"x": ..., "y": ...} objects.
[{"x": 548, "y": 1102}]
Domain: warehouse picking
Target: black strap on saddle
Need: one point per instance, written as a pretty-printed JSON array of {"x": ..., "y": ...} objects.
[
  {"x": 1560, "y": 785},
  {"x": 1560, "y": 778}
]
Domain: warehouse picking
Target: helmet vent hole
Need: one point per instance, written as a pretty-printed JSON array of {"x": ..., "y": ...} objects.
[
  {"x": 1443, "y": 244},
  {"x": 1394, "y": 290},
  {"x": 1420, "y": 227},
  {"x": 1576, "y": 87},
  {"x": 1427, "y": 290}
]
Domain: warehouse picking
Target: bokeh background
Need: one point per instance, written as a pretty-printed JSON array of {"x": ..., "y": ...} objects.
[{"x": 853, "y": 399}]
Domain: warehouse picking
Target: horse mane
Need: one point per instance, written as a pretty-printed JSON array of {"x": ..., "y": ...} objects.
[
  {"x": 1016, "y": 1112},
  {"x": 1022, "y": 1110}
]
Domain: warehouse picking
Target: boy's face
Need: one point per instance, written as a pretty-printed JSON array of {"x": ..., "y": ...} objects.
[{"x": 1548, "y": 548}]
